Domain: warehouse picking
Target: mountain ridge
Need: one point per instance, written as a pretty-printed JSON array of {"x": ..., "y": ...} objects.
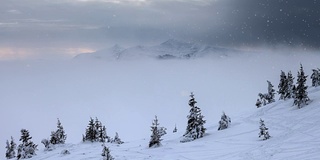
[{"x": 170, "y": 49}]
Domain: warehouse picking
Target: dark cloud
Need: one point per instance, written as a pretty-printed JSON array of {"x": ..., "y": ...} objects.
[{"x": 99, "y": 23}]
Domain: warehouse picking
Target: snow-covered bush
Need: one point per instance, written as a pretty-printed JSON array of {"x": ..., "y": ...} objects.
[
  {"x": 116, "y": 139},
  {"x": 224, "y": 122}
]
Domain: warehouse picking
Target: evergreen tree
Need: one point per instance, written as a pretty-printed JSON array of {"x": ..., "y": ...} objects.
[
  {"x": 11, "y": 147},
  {"x": 301, "y": 95},
  {"x": 58, "y": 136},
  {"x": 103, "y": 134},
  {"x": 224, "y": 122},
  {"x": 117, "y": 139},
  {"x": 155, "y": 136},
  {"x": 106, "y": 153},
  {"x": 262, "y": 100},
  {"x": 263, "y": 131},
  {"x": 315, "y": 77},
  {"x": 91, "y": 132},
  {"x": 291, "y": 86},
  {"x": 195, "y": 128},
  {"x": 27, "y": 148},
  {"x": 271, "y": 93},
  {"x": 175, "y": 129},
  {"x": 283, "y": 86}
]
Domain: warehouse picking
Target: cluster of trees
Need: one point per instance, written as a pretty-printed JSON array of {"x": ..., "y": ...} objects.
[
  {"x": 96, "y": 132},
  {"x": 57, "y": 137},
  {"x": 288, "y": 90},
  {"x": 26, "y": 149}
]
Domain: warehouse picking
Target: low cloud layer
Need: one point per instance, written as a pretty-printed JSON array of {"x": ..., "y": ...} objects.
[{"x": 98, "y": 23}]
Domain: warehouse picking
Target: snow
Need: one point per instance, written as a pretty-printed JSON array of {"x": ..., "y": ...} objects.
[
  {"x": 170, "y": 49},
  {"x": 126, "y": 95}
]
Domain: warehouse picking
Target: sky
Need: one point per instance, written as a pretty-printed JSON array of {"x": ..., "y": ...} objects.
[{"x": 64, "y": 28}]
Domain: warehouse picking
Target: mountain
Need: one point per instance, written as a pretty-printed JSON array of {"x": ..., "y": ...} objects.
[
  {"x": 108, "y": 53},
  {"x": 169, "y": 49},
  {"x": 294, "y": 135}
]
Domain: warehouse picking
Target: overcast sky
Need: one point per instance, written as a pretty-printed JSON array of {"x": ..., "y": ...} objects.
[{"x": 74, "y": 26}]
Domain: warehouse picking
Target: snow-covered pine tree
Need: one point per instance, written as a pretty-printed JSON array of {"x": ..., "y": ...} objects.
[
  {"x": 97, "y": 127},
  {"x": 195, "y": 128},
  {"x": 106, "y": 153},
  {"x": 270, "y": 94},
  {"x": 58, "y": 136},
  {"x": 117, "y": 139},
  {"x": 27, "y": 148},
  {"x": 283, "y": 86},
  {"x": 175, "y": 129},
  {"x": 262, "y": 99},
  {"x": 224, "y": 122},
  {"x": 91, "y": 132},
  {"x": 155, "y": 140},
  {"x": 263, "y": 131},
  {"x": 315, "y": 77},
  {"x": 102, "y": 136},
  {"x": 301, "y": 95},
  {"x": 291, "y": 86},
  {"x": 11, "y": 147}
]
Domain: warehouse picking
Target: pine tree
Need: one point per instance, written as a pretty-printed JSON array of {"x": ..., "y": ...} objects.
[
  {"x": 155, "y": 136},
  {"x": 175, "y": 129},
  {"x": 263, "y": 131},
  {"x": 27, "y": 148},
  {"x": 11, "y": 147},
  {"x": 195, "y": 128},
  {"x": 301, "y": 95},
  {"x": 224, "y": 122},
  {"x": 271, "y": 93},
  {"x": 102, "y": 136},
  {"x": 106, "y": 153},
  {"x": 117, "y": 139},
  {"x": 91, "y": 132},
  {"x": 283, "y": 86},
  {"x": 58, "y": 136},
  {"x": 262, "y": 100},
  {"x": 291, "y": 86},
  {"x": 315, "y": 77}
]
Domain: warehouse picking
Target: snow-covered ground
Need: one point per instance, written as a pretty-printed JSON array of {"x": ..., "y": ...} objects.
[{"x": 126, "y": 95}]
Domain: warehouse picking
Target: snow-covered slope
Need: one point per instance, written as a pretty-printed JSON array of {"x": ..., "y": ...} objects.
[
  {"x": 294, "y": 135},
  {"x": 126, "y": 95},
  {"x": 169, "y": 49}
]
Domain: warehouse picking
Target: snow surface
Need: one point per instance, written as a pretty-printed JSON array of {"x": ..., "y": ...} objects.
[{"x": 126, "y": 95}]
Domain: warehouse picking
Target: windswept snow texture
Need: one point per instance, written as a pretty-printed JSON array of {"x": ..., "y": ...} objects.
[
  {"x": 126, "y": 95},
  {"x": 170, "y": 49}
]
